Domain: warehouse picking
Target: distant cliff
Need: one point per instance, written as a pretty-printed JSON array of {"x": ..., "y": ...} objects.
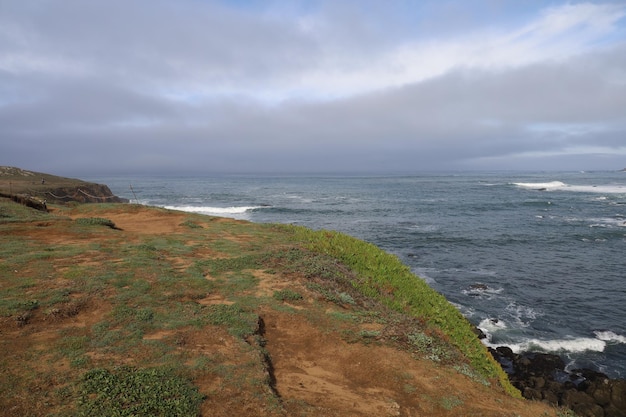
[{"x": 33, "y": 188}]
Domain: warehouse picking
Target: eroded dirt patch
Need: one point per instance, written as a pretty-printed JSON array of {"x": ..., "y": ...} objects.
[{"x": 332, "y": 377}]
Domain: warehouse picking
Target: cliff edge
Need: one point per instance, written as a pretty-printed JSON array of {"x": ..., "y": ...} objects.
[
  {"x": 35, "y": 188},
  {"x": 222, "y": 317}
]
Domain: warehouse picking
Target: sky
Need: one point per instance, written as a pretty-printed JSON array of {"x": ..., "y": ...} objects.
[{"x": 315, "y": 86}]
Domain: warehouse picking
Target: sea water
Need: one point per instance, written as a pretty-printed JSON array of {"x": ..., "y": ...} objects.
[{"x": 536, "y": 260}]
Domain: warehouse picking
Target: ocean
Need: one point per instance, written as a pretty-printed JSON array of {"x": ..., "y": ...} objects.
[{"x": 536, "y": 260}]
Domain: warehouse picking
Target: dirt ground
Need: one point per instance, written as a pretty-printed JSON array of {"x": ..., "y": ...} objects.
[{"x": 314, "y": 370}]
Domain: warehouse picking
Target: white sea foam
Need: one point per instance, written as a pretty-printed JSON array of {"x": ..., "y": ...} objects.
[
  {"x": 603, "y": 189},
  {"x": 559, "y": 185},
  {"x": 609, "y": 336},
  {"x": 234, "y": 212},
  {"x": 491, "y": 326},
  {"x": 523, "y": 314},
  {"x": 481, "y": 290},
  {"x": 573, "y": 345},
  {"x": 570, "y": 345},
  {"x": 552, "y": 185},
  {"x": 607, "y": 221}
]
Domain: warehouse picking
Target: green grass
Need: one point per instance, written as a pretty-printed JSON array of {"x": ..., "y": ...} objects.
[
  {"x": 239, "y": 321},
  {"x": 12, "y": 212},
  {"x": 96, "y": 221},
  {"x": 287, "y": 295},
  {"x": 384, "y": 277}
]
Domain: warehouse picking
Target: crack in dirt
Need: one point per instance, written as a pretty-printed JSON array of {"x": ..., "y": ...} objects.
[{"x": 259, "y": 341}]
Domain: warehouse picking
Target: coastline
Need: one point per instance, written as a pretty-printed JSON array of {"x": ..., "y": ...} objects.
[
  {"x": 531, "y": 249},
  {"x": 247, "y": 294},
  {"x": 531, "y": 389}
]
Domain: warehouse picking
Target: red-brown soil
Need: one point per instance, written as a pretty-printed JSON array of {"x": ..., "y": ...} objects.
[{"x": 317, "y": 370}]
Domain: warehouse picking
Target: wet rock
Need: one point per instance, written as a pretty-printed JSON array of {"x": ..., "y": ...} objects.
[
  {"x": 479, "y": 287},
  {"x": 542, "y": 376},
  {"x": 618, "y": 394},
  {"x": 479, "y": 333},
  {"x": 532, "y": 394},
  {"x": 612, "y": 411},
  {"x": 600, "y": 393},
  {"x": 588, "y": 410}
]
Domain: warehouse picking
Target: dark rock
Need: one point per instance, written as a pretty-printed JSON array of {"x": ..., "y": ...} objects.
[
  {"x": 538, "y": 382},
  {"x": 618, "y": 393},
  {"x": 600, "y": 391},
  {"x": 602, "y": 397},
  {"x": 479, "y": 333},
  {"x": 479, "y": 287},
  {"x": 532, "y": 394},
  {"x": 541, "y": 376},
  {"x": 612, "y": 411},
  {"x": 573, "y": 397},
  {"x": 506, "y": 352},
  {"x": 588, "y": 410},
  {"x": 550, "y": 396}
]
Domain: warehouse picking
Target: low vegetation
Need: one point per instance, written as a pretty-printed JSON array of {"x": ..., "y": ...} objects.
[
  {"x": 384, "y": 277},
  {"x": 123, "y": 310}
]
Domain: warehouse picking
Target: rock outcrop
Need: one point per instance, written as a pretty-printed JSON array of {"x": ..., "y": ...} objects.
[
  {"x": 542, "y": 376},
  {"x": 85, "y": 193},
  {"x": 37, "y": 189}
]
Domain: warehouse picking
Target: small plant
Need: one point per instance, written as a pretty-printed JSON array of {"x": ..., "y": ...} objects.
[
  {"x": 409, "y": 389},
  {"x": 96, "y": 221},
  {"x": 29, "y": 305},
  {"x": 450, "y": 402},
  {"x": 369, "y": 334},
  {"x": 287, "y": 295},
  {"x": 421, "y": 341},
  {"x": 470, "y": 373},
  {"x": 191, "y": 225},
  {"x": 346, "y": 298}
]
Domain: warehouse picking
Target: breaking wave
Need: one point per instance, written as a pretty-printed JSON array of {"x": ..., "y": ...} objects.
[
  {"x": 237, "y": 212},
  {"x": 561, "y": 186}
]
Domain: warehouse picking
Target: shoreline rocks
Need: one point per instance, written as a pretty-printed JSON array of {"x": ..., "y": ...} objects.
[{"x": 542, "y": 376}]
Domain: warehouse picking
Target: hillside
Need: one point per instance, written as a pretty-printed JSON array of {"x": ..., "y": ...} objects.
[
  {"x": 117, "y": 309},
  {"x": 40, "y": 187}
]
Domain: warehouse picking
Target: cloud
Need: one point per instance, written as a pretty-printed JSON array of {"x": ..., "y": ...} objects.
[{"x": 282, "y": 86}]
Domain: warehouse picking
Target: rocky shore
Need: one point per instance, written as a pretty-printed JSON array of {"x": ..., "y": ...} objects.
[{"x": 542, "y": 376}]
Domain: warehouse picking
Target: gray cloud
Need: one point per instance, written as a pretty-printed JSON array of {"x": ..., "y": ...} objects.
[{"x": 185, "y": 86}]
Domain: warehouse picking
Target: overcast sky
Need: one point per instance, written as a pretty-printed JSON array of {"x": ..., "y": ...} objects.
[{"x": 131, "y": 86}]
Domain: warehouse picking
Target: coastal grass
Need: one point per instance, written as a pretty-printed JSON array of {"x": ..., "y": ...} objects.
[
  {"x": 11, "y": 212},
  {"x": 384, "y": 277}
]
